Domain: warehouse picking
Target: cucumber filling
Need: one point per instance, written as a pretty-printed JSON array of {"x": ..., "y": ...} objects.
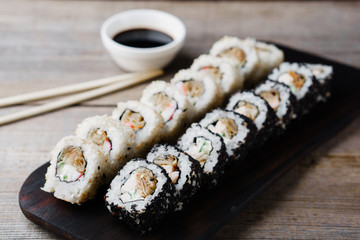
[{"x": 200, "y": 150}]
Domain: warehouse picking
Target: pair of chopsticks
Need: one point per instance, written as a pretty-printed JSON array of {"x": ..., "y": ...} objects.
[{"x": 91, "y": 89}]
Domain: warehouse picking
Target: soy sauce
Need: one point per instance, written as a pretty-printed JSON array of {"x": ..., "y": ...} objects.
[{"x": 142, "y": 38}]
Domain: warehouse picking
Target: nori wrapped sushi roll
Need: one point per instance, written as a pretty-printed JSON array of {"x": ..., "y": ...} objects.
[
  {"x": 280, "y": 99},
  {"x": 184, "y": 172},
  {"x": 323, "y": 74},
  {"x": 207, "y": 148},
  {"x": 237, "y": 131},
  {"x": 257, "y": 109},
  {"x": 140, "y": 195},
  {"x": 301, "y": 82}
]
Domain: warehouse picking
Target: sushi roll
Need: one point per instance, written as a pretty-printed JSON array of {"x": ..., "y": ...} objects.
[
  {"x": 301, "y": 82},
  {"x": 145, "y": 122},
  {"x": 173, "y": 106},
  {"x": 208, "y": 149},
  {"x": 280, "y": 99},
  {"x": 242, "y": 54},
  {"x": 140, "y": 195},
  {"x": 237, "y": 131},
  {"x": 202, "y": 92},
  {"x": 115, "y": 139},
  {"x": 76, "y": 170},
  {"x": 221, "y": 70},
  {"x": 270, "y": 57},
  {"x": 323, "y": 74},
  {"x": 257, "y": 109},
  {"x": 183, "y": 170}
]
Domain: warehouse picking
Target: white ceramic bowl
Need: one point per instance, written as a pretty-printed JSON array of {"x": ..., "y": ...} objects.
[{"x": 138, "y": 59}]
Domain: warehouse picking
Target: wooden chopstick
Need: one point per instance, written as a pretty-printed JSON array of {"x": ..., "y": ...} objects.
[
  {"x": 53, "y": 92},
  {"x": 71, "y": 100}
]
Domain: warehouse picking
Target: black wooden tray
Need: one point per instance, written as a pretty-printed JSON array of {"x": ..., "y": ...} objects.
[{"x": 209, "y": 210}]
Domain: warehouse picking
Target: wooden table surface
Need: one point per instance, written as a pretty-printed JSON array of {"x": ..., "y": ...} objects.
[{"x": 44, "y": 44}]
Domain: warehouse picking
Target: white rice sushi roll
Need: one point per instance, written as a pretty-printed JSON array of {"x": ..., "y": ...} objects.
[
  {"x": 301, "y": 82},
  {"x": 270, "y": 57},
  {"x": 184, "y": 172},
  {"x": 146, "y": 123},
  {"x": 323, "y": 74},
  {"x": 208, "y": 149},
  {"x": 257, "y": 109},
  {"x": 242, "y": 54},
  {"x": 280, "y": 99},
  {"x": 202, "y": 92},
  {"x": 173, "y": 106},
  {"x": 140, "y": 195},
  {"x": 237, "y": 131},
  {"x": 76, "y": 170},
  {"x": 221, "y": 70},
  {"x": 115, "y": 139}
]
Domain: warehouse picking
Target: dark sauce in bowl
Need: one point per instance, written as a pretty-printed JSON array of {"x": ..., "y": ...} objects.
[{"x": 142, "y": 38}]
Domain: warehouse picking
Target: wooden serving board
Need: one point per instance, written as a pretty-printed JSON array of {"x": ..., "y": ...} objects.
[{"x": 208, "y": 210}]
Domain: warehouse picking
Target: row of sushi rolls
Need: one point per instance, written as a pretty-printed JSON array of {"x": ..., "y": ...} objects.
[{"x": 156, "y": 153}]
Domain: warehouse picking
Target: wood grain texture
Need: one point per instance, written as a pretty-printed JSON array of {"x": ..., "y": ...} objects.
[{"x": 46, "y": 44}]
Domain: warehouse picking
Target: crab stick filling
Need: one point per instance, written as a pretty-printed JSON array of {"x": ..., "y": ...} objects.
[
  {"x": 234, "y": 53},
  {"x": 133, "y": 119},
  {"x": 272, "y": 97},
  {"x": 247, "y": 109},
  {"x": 140, "y": 184},
  {"x": 165, "y": 105},
  {"x": 100, "y": 138},
  {"x": 212, "y": 72},
  {"x": 170, "y": 164},
  {"x": 225, "y": 127},
  {"x": 200, "y": 150},
  {"x": 70, "y": 164},
  {"x": 293, "y": 79}
]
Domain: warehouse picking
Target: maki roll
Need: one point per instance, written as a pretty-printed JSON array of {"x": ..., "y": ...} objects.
[
  {"x": 221, "y": 70},
  {"x": 173, "y": 106},
  {"x": 301, "y": 82},
  {"x": 183, "y": 170},
  {"x": 76, "y": 170},
  {"x": 145, "y": 122},
  {"x": 140, "y": 195},
  {"x": 208, "y": 149},
  {"x": 270, "y": 57},
  {"x": 201, "y": 91},
  {"x": 237, "y": 131},
  {"x": 242, "y": 54},
  {"x": 257, "y": 109},
  {"x": 323, "y": 74},
  {"x": 115, "y": 139},
  {"x": 280, "y": 99}
]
